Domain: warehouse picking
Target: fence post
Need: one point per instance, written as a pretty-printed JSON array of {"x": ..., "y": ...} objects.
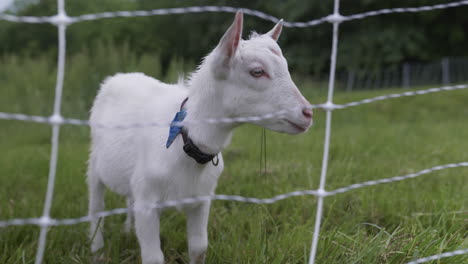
[
  {"x": 378, "y": 80},
  {"x": 406, "y": 75},
  {"x": 350, "y": 83},
  {"x": 445, "y": 71}
]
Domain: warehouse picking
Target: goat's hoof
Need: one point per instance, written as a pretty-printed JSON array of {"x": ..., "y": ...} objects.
[
  {"x": 200, "y": 259},
  {"x": 98, "y": 258}
]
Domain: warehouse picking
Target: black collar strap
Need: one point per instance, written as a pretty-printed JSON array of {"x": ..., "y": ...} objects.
[
  {"x": 192, "y": 150},
  {"x": 195, "y": 153}
]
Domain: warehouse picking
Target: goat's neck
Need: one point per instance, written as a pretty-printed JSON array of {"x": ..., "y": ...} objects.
[{"x": 205, "y": 102}]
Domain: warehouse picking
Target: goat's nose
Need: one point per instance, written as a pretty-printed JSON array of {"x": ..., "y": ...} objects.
[{"x": 307, "y": 112}]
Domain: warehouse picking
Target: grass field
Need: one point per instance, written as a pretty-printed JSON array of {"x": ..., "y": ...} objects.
[{"x": 390, "y": 223}]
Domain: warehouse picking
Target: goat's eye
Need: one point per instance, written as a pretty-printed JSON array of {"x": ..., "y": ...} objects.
[{"x": 257, "y": 73}]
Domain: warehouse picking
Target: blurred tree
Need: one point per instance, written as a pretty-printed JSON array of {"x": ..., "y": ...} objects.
[{"x": 370, "y": 43}]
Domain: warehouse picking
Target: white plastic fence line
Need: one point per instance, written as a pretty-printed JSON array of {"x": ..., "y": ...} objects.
[
  {"x": 56, "y": 119},
  {"x": 326, "y": 145},
  {"x": 228, "y": 9},
  {"x": 405, "y": 94},
  {"x": 406, "y": 10},
  {"x": 439, "y": 256},
  {"x": 224, "y": 197},
  {"x": 324, "y": 106},
  {"x": 61, "y": 20}
]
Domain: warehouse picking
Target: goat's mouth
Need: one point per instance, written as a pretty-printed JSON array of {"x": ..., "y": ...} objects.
[{"x": 301, "y": 128}]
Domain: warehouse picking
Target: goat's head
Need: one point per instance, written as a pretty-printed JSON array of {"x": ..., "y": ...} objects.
[{"x": 255, "y": 80}]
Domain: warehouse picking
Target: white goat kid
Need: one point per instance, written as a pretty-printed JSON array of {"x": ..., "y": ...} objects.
[{"x": 238, "y": 78}]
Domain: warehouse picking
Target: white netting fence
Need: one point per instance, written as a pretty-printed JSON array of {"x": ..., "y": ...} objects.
[{"x": 61, "y": 20}]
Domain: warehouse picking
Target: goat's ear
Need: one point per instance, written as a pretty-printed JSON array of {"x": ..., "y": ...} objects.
[
  {"x": 275, "y": 32},
  {"x": 229, "y": 43}
]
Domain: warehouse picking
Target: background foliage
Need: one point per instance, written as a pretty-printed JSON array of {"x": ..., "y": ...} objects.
[{"x": 424, "y": 36}]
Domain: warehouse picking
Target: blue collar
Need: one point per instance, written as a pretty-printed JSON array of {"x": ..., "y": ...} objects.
[{"x": 189, "y": 147}]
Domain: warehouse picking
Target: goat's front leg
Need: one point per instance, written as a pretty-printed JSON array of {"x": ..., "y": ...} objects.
[
  {"x": 147, "y": 230},
  {"x": 197, "y": 234}
]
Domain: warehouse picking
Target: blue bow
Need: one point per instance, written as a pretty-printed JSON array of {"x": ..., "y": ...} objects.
[{"x": 176, "y": 127}]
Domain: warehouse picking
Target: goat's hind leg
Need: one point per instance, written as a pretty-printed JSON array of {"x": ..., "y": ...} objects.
[{"x": 96, "y": 205}]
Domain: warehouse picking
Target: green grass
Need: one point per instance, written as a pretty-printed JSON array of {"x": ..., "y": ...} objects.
[{"x": 389, "y": 223}]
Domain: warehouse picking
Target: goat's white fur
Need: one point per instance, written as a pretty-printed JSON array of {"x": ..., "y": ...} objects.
[{"x": 135, "y": 162}]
